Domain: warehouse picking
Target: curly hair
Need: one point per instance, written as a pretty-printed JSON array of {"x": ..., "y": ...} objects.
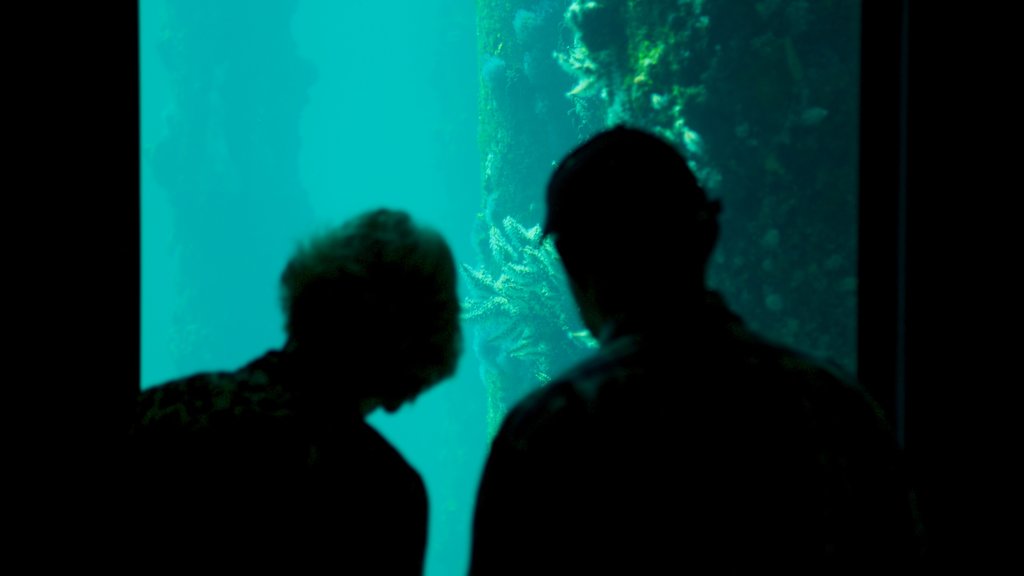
[{"x": 379, "y": 292}]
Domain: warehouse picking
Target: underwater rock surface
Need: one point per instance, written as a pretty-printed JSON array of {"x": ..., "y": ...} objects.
[{"x": 761, "y": 97}]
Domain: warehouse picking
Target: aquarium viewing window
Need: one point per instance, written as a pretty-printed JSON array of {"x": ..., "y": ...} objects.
[{"x": 261, "y": 121}]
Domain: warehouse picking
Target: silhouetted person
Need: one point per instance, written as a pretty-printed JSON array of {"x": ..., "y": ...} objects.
[
  {"x": 686, "y": 444},
  {"x": 274, "y": 463}
]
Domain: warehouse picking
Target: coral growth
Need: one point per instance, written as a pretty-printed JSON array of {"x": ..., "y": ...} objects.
[
  {"x": 760, "y": 96},
  {"x": 522, "y": 313}
]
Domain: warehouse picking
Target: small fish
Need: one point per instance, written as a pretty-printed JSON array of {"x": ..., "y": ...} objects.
[
  {"x": 813, "y": 116},
  {"x": 583, "y": 338}
]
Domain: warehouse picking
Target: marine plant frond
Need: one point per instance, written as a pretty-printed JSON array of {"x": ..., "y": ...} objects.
[
  {"x": 501, "y": 250},
  {"x": 521, "y": 269},
  {"x": 478, "y": 278},
  {"x": 507, "y": 331},
  {"x": 495, "y": 308},
  {"x": 528, "y": 351},
  {"x": 501, "y": 284},
  {"x": 506, "y": 306},
  {"x": 544, "y": 259},
  {"x": 474, "y": 310},
  {"x": 520, "y": 233}
]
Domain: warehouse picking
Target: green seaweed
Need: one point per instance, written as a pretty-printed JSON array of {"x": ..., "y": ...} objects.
[
  {"x": 760, "y": 96},
  {"x": 523, "y": 312}
]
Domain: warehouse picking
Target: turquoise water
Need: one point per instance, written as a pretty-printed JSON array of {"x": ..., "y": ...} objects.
[
  {"x": 390, "y": 121},
  {"x": 262, "y": 121}
]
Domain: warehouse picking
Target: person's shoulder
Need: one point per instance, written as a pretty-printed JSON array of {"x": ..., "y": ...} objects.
[
  {"x": 749, "y": 350},
  {"x": 200, "y": 400},
  {"x": 823, "y": 378},
  {"x": 562, "y": 405},
  {"x": 821, "y": 384},
  {"x": 179, "y": 402}
]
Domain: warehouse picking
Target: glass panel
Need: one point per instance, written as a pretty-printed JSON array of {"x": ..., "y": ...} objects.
[{"x": 262, "y": 121}]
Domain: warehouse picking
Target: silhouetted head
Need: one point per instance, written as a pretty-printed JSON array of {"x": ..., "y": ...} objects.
[
  {"x": 371, "y": 306},
  {"x": 632, "y": 225}
]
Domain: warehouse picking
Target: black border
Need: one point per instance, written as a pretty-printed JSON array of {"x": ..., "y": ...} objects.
[
  {"x": 73, "y": 264},
  {"x": 936, "y": 341}
]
